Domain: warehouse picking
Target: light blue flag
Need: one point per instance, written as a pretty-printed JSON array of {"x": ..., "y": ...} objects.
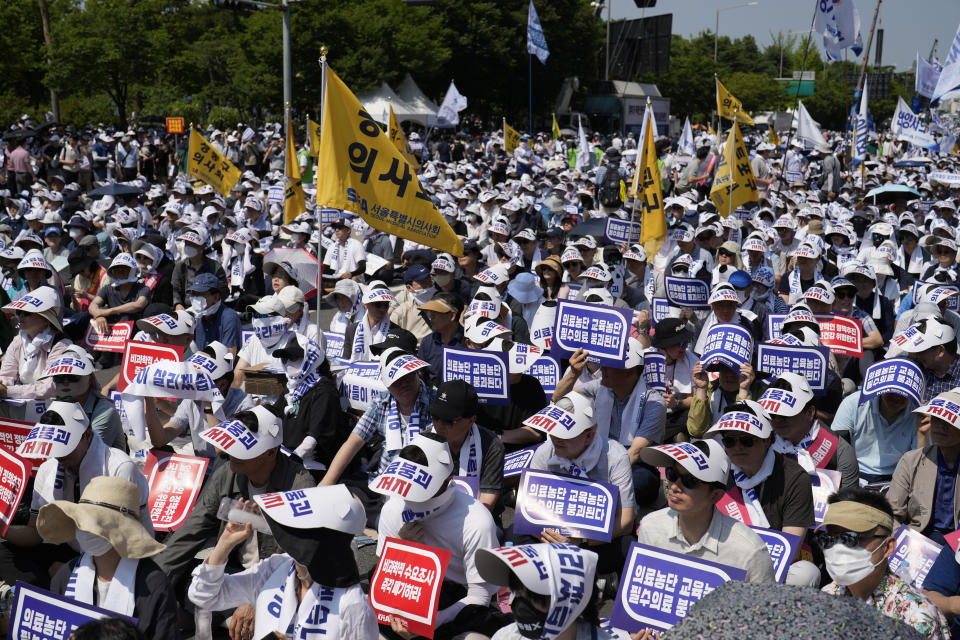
[
  {"x": 536, "y": 42},
  {"x": 948, "y": 84},
  {"x": 686, "y": 146},
  {"x": 862, "y": 128},
  {"x": 839, "y": 23}
]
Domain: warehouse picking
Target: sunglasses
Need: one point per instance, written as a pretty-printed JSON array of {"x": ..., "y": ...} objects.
[
  {"x": 747, "y": 442},
  {"x": 843, "y": 295},
  {"x": 688, "y": 481},
  {"x": 849, "y": 539},
  {"x": 725, "y": 253},
  {"x": 380, "y": 305},
  {"x": 66, "y": 379}
]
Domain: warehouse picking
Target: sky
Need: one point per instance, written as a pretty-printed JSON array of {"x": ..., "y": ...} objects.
[{"x": 909, "y": 25}]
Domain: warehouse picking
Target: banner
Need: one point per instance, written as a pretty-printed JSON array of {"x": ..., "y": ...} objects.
[
  {"x": 601, "y": 330},
  {"x": 37, "y": 614},
  {"x": 914, "y": 556},
  {"x": 729, "y": 344},
  {"x": 906, "y": 125},
  {"x": 809, "y": 362},
  {"x": 546, "y": 369},
  {"x": 861, "y": 129},
  {"x": 659, "y": 309},
  {"x": 365, "y": 173},
  {"x": 205, "y": 163},
  {"x": 773, "y": 138},
  {"x": 690, "y": 293},
  {"x": 896, "y": 375},
  {"x": 313, "y": 135},
  {"x": 808, "y": 129},
  {"x": 658, "y": 587},
  {"x": 825, "y": 484},
  {"x": 843, "y": 335},
  {"x": 175, "y": 482},
  {"x": 137, "y": 355},
  {"x": 729, "y": 107},
  {"x": 14, "y": 473},
  {"x": 113, "y": 341},
  {"x": 949, "y": 79},
  {"x": 293, "y": 201},
  {"x": 944, "y": 177},
  {"x": 514, "y": 463},
  {"x": 576, "y": 507},
  {"x": 453, "y": 103},
  {"x": 619, "y": 231},
  {"x": 407, "y": 584},
  {"x": 511, "y": 138},
  {"x": 555, "y": 129},
  {"x": 12, "y": 434},
  {"x": 487, "y": 371},
  {"x": 655, "y": 370},
  {"x": 686, "y": 146},
  {"x": 360, "y": 383},
  {"x": 838, "y": 21},
  {"x": 782, "y": 548},
  {"x": 733, "y": 182},
  {"x": 927, "y": 75},
  {"x": 334, "y": 344},
  {"x": 648, "y": 191},
  {"x": 399, "y": 140}
]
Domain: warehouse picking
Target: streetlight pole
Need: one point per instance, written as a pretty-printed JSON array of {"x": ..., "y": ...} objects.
[
  {"x": 606, "y": 71},
  {"x": 716, "y": 25}
]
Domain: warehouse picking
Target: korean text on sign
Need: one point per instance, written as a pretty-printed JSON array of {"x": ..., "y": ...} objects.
[
  {"x": 574, "y": 506},
  {"x": 407, "y": 584}
]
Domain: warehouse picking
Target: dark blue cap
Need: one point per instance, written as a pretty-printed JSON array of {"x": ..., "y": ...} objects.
[
  {"x": 205, "y": 282},
  {"x": 740, "y": 279},
  {"x": 415, "y": 273}
]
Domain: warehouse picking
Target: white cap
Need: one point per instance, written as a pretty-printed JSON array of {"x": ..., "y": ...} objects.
[
  {"x": 756, "y": 424},
  {"x": 922, "y": 336},
  {"x": 723, "y": 293},
  {"x": 414, "y": 482},
  {"x": 712, "y": 466},
  {"x": 47, "y": 440},
  {"x": 332, "y": 507},
  {"x": 787, "y": 402},
  {"x": 181, "y": 323},
  {"x": 233, "y": 438},
  {"x": 562, "y": 423},
  {"x": 945, "y": 406},
  {"x": 217, "y": 365},
  {"x": 75, "y": 361},
  {"x": 495, "y": 275},
  {"x": 479, "y": 330},
  {"x": 377, "y": 295},
  {"x": 396, "y": 364}
]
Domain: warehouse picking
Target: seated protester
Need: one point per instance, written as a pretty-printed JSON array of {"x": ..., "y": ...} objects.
[
  {"x": 418, "y": 290},
  {"x": 439, "y": 516},
  {"x": 261, "y": 468},
  {"x": 443, "y": 313},
  {"x": 396, "y": 416},
  {"x": 67, "y": 469},
  {"x": 114, "y": 571},
  {"x": 800, "y": 328},
  {"x": 40, "y": 341},
  {"x": 243, "y": 267},
  {"x": 711, "y": 398},
  {"x": 372, "y": 327},
  {"x": 515, "y": 322},
  {"x": 550, "y": 271},
  {"x": 942, "y": 587},
  {"x": 933, "y": 345},
  {"x": 192, "y": 417},
  {"x": 803, "y": 275},
  {"x": 124, "y": 298},
  {"x": 216, "y": 322},
  {"x": 792, "y": 408},
  {"x": 282, "y": 274},
  {"x": 192, "y": 263},
  {"x": 294, "y": 305},
  {"x": 931, "y": 301},
  {"x": 868, "y": 300},
  {"x": 526, "y": 393},
  {"x": 672, "y": 338},
  {"x": 314, "y": 425},
  {"x": 73, "y": 378},
  {"x": 857, "y": 541},
  {"x": 924, "y": 491},
  {"x": 87, "y": 274},
  {"x": 345, "y": 258},
  {"x": 311, "y": 586},
  {"x": 762, "y": 295},
  {"x": 775, "y": 490},
  {"x": 272, "y": 329},
  {"x": 725, "y": 307},
  {"x": 158, "y": 326},
  {"x": 881, "y": 432},
  {"x": 478, "y": 450},
  {"x": 156, "y": 269},
  {"x": 638, "y": 285},
  {"x": 696, "y": 477},
  {"x": 575, "y": 448},
  {"x": 846, "y": 292},
  {"x": 525, "y": 296},
  {"x": 346, "y": 298},
  {"x": 549, "y": 600},
  {"x": 444, "y": 274}
]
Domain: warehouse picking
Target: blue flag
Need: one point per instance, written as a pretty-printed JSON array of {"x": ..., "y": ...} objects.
[{"x": 536, "y": 42}]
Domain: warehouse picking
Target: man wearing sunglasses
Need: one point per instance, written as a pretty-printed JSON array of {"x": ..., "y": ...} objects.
[
  {"x": 857, "y": 542},
  {"x": 696, "y": 477},
  {"x": 932, "y": 344}
]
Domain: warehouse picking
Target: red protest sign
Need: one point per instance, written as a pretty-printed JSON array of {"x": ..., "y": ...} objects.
[
  {"x": 175, "y": 482},
  {"x": 114, "y": 340},
  {"x": 13, "y": 479},
  {"x": 137, "y": 355},
  {"x": 12, "y": 433},
  {"x": 174, "y": 125},
  {"x": 407, "y": 583},
  {"x": 843, "y": 335}
]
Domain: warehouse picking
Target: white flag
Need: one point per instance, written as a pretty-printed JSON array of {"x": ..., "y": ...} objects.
[
  {"x": 685, "y": 146},
  {"x": 808, "y": 130},
  {"x": 453, "y": 104},
  {"x": 927, "y": 75},
  {"x": 860, "y": 128},
  {"x": 949, "y": 80},
  {"x": 839, "y": 23},
  {"x": 584, "y": 155},
  {"x": 536, "y": 42},
  {"x": 907, "y": 126}
]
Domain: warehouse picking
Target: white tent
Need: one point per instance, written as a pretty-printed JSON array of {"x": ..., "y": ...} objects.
[
  {"x": 410, "y": 93},
  {"x": 377, "y": 102}
]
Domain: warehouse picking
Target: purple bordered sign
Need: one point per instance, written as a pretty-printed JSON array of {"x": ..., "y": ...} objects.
[
  {"x": 334, "y": 344},
  {"x": 914, "y": 556},
  {"x": 360, "y": 383},
  {"x": 655, "y": 369},
  {"x": 546, "y": 369},
  {"x": 514, "y": 463},
  {"x": 729, "y": 344},
  {"x": 487, "y": 371},
  {"x": 601, "y": 330},
  {"x": 689, "y": 293},
  {"x": 620, "y": 231},
  {"x": 659, "y": 310},
  {"x": 896, "y": 375},
  {"x": 658, "y": 587},
  {"x": 469, "y": 485},
  {"x": 41, "y": 615},
  {"x": 575, "y": 507},
  {"x": 782, "y": 547},
  {"x": 809, "y": 362}
]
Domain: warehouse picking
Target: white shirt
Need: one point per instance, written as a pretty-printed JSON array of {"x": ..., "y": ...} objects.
[{"x": 345, "y": 258}]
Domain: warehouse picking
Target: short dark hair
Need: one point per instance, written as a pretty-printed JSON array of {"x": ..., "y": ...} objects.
[
  {"x": 107, "y": 629},
  {"x": 863, "y": 496},
  {"x": 451, "y": 299},
  {"x": 415, "y": 454}
]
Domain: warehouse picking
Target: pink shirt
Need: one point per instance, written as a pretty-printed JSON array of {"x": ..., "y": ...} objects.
[{"x": 20, "y": 160}]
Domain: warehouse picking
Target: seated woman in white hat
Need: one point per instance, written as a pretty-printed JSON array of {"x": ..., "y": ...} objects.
[
  {"x": 315, "y": 579},
  {"x": 114, "y": 571}
]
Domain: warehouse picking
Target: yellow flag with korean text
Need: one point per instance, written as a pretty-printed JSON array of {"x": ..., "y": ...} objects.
[
  {"x": 293, "y": 201},
  {"x": 511, "y": 138},
  {"x": 313, "y": 135},
  {"x": 400, "y": 140},
  {"x": 363, "y": 172},
  {"x": 733, "y": 184},
  {"x": 729, "y": 107},
  {"x": 207, "y": 164},
  {"x": 774, "y": 138},
  {"x": 556, "y": 128},
  {"x": 649, "y": 194}
]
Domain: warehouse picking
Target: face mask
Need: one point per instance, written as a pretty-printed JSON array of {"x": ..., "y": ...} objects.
[
  {"x": 292, "y": 368},
  {"x": 423, "y": 295},
  {"x": 212, "y": 309},
  {"x": 197, "y": 304},
  {"x": 270, "y": 330},
  {"x": 71, "y": 390},
  {"x": 92, "y": 544},
  {"x": 190, "y": 251},
  {"x": 760, "y": 297},
  {"x": 127, "y": 280},
  {"x": 529, "y": 619},
  {"x": 848, "y": 566},
  {"x": 146, "y": 268},
  {"x": 76, "y": 234},
  {"x": 443, "y": 279}
]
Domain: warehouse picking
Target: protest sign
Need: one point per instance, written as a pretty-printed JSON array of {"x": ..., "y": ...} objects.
[
  {"x": 944, "y": 177},
  {"x": 782, "y": 548},
  {"x": 906, "y": 125},
  {"x": 487, "y": 371},
  {"x": 914, "y": 556},
  {"x": 655, "y": 369},
  {"x": 470, "y": 485},
  {"x": 541, "y": 329},
  {"x": 37, "y": 614},
  {"x": 843, "y": 335},
  {"x": 825, "y": 484},
  {"x": 334, "y": 344},
  {"x": 514, "y": 463},
  {"x": 113, "y": 340},
  {"x": 728, "y": 344},
  {"x": 896, "y": 375},
  {"x": 174, "y": 125},
  {"x": 774, "y": 324},
  {"x": 14, "y": 472},
  {"x": 619, "y": 231},
  {"x": 731, "y": 504},
  {"x": 360, "y": 383},
  {"x": 659, "y": 309},
  {"x": 809, "y": 362},
  {"x": 175, "y": 482},
  {"x": 691, "y": 293},
  {"x": 601, "y": 330},
  {"x": 137, "y": 355},
  {"x": 546, "y": 369},
  {"x": 205, "y": 163},
  {"x": 407, "y": 584},
  {"x": 12, "y": 433},
  {"x": 576, "y": 507},
  {"x": 658, "y": 587},
  {"x": 953, "y": 539}
]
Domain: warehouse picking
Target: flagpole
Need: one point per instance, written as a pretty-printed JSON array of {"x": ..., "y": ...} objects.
[
  {"x": 733, "y": 139},
  {"x": 642, "y": 148},
  {"x": 323, "y": 104},
  {"x": 530, "y": 93}
]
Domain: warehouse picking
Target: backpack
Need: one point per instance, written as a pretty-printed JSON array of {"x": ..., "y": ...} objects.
[{"x": 610, "y": 188}]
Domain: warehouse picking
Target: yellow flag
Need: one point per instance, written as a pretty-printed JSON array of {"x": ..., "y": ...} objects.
[
  {"x": 511, "y": 138},
  {"x": 646, "y": 184},
  {"x": 710, "y": 130},
  {"x": 729, "y": 107},
  {"x": 365, "y": 173},
  {"x": 556, "y": 128},
  {"x": 313, "y": 131},
  {"x": 293, "y": 200},
  {"x": 734, "y": 184},
  {"x": 207, "y": 164},
  {"x": 774, "y": 138},
  {"x": 400, "y": 140}
]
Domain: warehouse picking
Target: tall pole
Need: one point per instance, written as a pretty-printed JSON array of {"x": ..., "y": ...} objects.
[
  {"x": 530, "y": 93},
  {"x": 863, "y": 70},
  {"x": 716, "y": 35},
  {"x": 287, "y": 71},
  {"x": 45, "y": 24},
  {"x": 323, "y": 104},
  {"x": 606, "y": 65}
]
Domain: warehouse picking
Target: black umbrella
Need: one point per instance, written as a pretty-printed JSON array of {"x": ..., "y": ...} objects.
[
  {"x": 593, "y": 227},
  {"x": 115, "y": 189}
]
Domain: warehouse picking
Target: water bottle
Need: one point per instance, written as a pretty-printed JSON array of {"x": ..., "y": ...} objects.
[{"x": 231, "y": 511}]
